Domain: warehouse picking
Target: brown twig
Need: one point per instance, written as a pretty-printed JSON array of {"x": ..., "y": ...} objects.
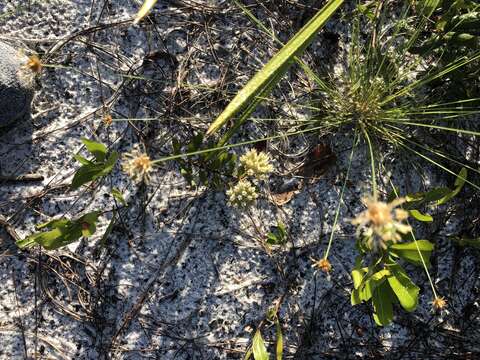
[{"x": 21, "y": 178}]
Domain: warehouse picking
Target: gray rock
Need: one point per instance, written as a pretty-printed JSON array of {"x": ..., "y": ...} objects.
[{"x": 16, "y": 86}]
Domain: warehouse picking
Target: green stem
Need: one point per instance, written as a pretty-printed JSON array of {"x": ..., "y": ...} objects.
[
  {"x": 372, "y": 163},
  {"x": 337, "y": 213}
]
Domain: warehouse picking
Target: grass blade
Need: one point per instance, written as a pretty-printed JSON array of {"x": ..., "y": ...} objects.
[
  {"x": 144, "y": 10},
  {"x": 276, "y": 67}
]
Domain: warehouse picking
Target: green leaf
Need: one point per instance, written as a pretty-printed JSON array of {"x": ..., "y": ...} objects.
[
  {"x": 411, "y": 253},
  {"x": 459, "y": 182},
  {"x": 382, "y": 304},
  {"x": 430, "y": 196},
  {"x": 358, "y": 272},
  {"x": 259, "y": 86},
  {"x": 85, "y": 174},
  {"x": 258, "y": 347},
  {"x": 405, "y": 290},
  {"x": 272, "y": 239},
  {"x": 93, "y": 171},
  {"x": 419, "y": 216},
  {"x": 97, "y": 149},
  {"x": 82, "y": 160},
  {"x": 53, "y": 223},
  {"x": 427, "y": 7},
  {"x": 87, "y": 223},
  {"x": 279, "y": 346},
  {"x": 119, "y": 196},
  {"x": 467, "y": 242},
  {"x": 62, "y": 232},
  {"x": 367, "y": 286}
]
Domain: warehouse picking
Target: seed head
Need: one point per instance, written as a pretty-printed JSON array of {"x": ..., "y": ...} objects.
[
  {"x": 439, "y": 303},
  {"x": 242, "y": 195},
  {"x": 137, "y": 165},
  {"x": 322, "y": 264},
  {"x": 256, "y": 164},
  {"x": 107, "y": 119},
  {"x": 381, "y": 222},
  {"x": 34, "y": 64}
]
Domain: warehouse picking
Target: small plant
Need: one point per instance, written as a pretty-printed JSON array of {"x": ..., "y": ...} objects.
[
  {"x": 61, "y": 232},
  {"x": 382, "y": 98},
  {"x": 258, "y": 348},
  {"x": 380, "y": 231},
  {"x": 207, "y": 168},
  {"x": 93, "y": 169}
]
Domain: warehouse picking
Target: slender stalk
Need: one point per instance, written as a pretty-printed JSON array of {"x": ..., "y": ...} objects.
[{"x": 337, "y": 212}]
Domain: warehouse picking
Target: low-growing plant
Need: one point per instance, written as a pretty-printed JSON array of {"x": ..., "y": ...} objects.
[
  {"x": 382, "y": 99},
  {"x": 61, "y": 232}
]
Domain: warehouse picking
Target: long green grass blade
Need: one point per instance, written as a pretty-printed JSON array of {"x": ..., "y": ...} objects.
[
  {"x": 276, "y": 67},
  {"x": 144, "y": 10}
]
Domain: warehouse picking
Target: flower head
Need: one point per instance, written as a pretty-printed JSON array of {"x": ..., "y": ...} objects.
[
  {"x": 243, "y": 194},
  {"x": 439, "y": 303},
  {"x": 137, "y": 165},
  {"x": 107, "y": 119},
  {"x": 322, "y": 264},
  {"x": 256, "y": 163},
  {"x": 381, "y": 222},
  {"x": 34, "y": 64}
]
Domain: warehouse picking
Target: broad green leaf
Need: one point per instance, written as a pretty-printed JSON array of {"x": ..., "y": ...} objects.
[
  {"x": 54, "y": 223},
  {"x": 97, "y": 149},
  {"x": 144, "y": 10},
  {"x": 367, "y": 287},
  {"x": 272, "y": 72},
  {"x": 93, "y": 171},
  {"x": 258, "y": 347},
  {"x": 382, "y": 304},
  {"x": 82, "y": 160},
  {"x": 430, "y": 196},
  {"x": 419, "y": 216},
  {"x": 357, "y": 277},
  {"x": 62, "y": 232},
  {"x": 109, "y": 164},
  {"x": 405, "y": 290},
  {"x": 85, "y": 174},
  {"x": 410, "y": 252},
  {"x": 87, "y": 223}
]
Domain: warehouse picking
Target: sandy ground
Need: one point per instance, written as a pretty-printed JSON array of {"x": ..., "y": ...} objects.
[{"x": 181, "y": 276}]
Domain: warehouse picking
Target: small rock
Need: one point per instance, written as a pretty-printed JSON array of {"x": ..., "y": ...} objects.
[{"x": 16, "y": 85}]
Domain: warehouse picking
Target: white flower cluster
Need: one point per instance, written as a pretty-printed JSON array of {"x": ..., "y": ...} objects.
[
  {"x": 243, "y": 194},
  {"x": 256, "y": 164},
  {"x": 382, "y": 223}
]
